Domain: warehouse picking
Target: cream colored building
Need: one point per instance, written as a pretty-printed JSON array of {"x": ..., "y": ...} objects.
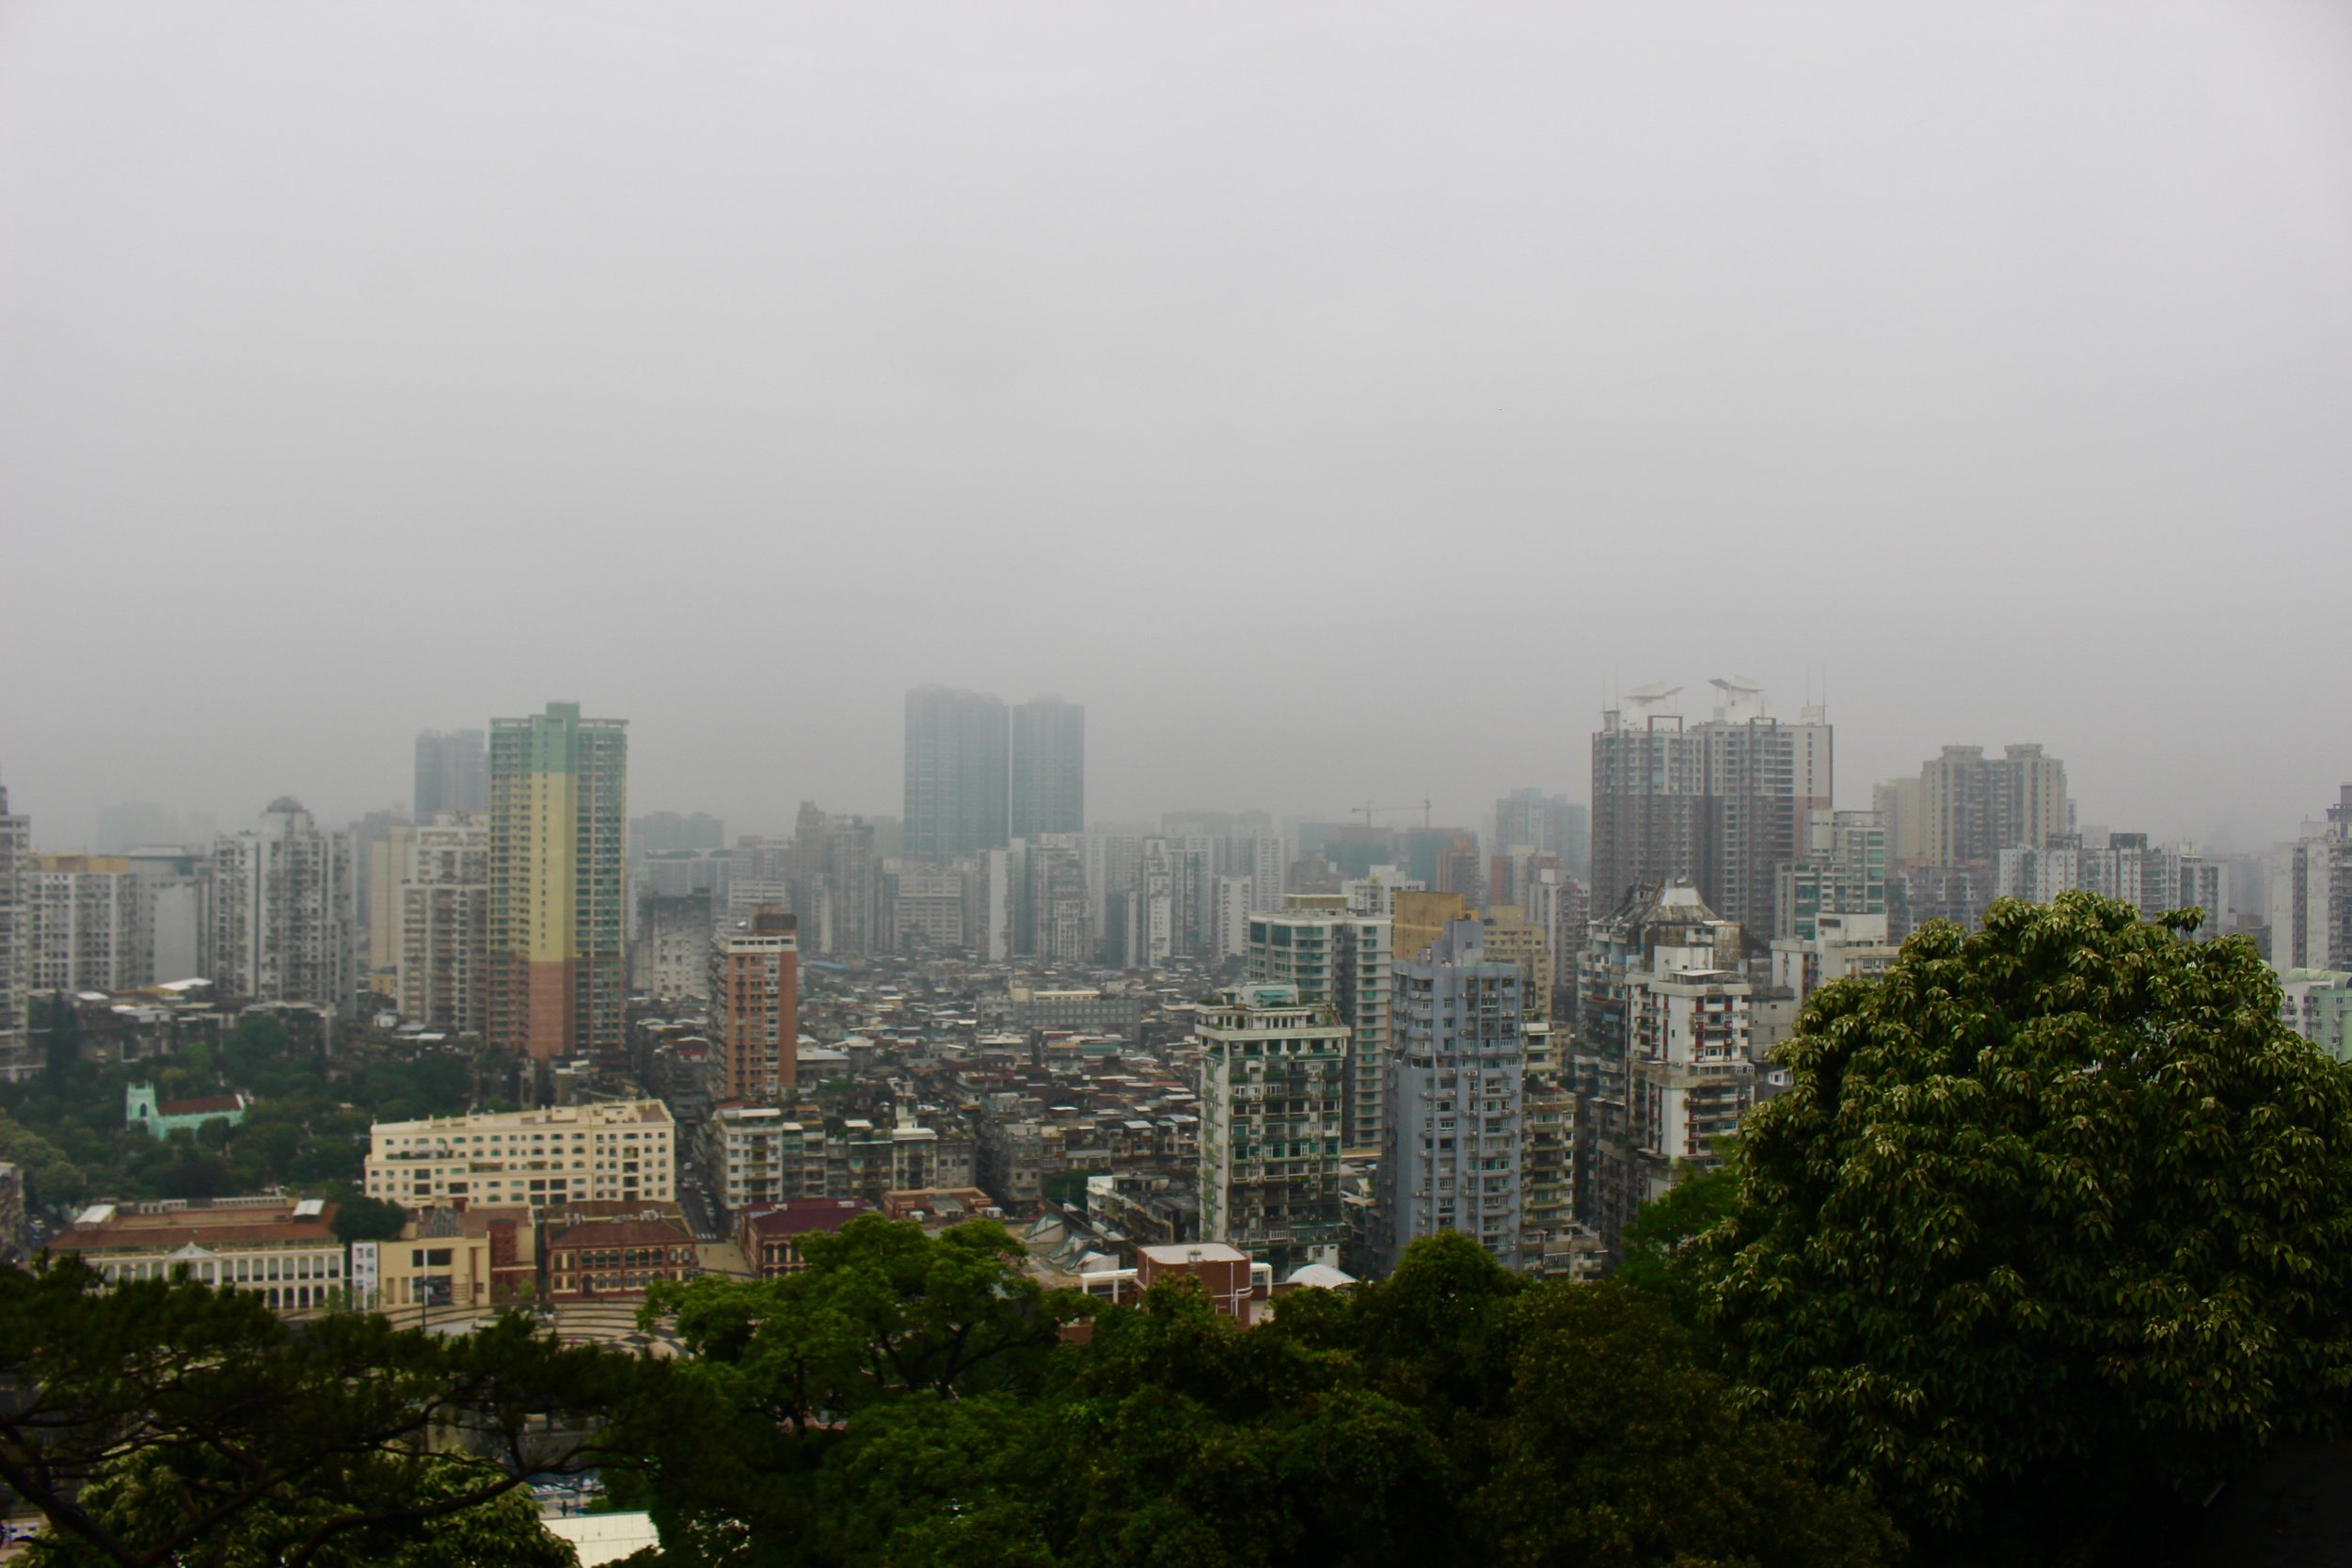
[
  {"x": 282, "y": 1250},
  {"x": 625, "y": 1149},
  {"x": 1510, "y": 937},
  {"x": 475, "y": 1258}
]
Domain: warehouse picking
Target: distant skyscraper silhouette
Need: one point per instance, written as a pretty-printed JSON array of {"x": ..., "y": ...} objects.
[
  {"x": 956, "y": 773},
  {"x": 1049, "y": 767},
  {"x": 453, "y": 773}
]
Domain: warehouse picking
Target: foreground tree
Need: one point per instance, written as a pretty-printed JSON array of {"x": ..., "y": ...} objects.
[
  {"x": 144, "y": 1497},
  {"x": 883, "y": 1314},
  {"x": 2053, "y": 1223},
  {"x": 116, "y": 1397},
  {"x": 1621, "y": 1450}
]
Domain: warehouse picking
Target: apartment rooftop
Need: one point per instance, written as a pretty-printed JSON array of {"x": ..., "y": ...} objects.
[
  {"x": 114, "y": 1228},
  {"x": 620, "y": 1113}
]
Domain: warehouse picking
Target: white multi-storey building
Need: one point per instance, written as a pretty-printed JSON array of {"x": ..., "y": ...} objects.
[
  {"x": 1230, "y": 903},
  {"x": 16, "y": 834},
  {"x": 2151, "y": 878},
  {"x": 283, "y": 1250},
  {"x": 1271, "y": 1075},
  {"x": 83, "y": 932},
  {"x": 441, "y": 917},
  {"x": 2310, "y": 893},
  {"x": 284, "y": 911},
  {"x": 1329, "y": 953},
  {"x": 620, "y": 1150},
  {"x": 758, "y": 1154},
  {"x": 1662, "y": 1061}
]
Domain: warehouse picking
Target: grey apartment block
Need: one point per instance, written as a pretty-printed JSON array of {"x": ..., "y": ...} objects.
[{"x": 1457, "y": 1081}]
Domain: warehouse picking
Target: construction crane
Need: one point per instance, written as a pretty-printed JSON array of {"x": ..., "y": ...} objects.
[{"x": 1368, "y": 808}]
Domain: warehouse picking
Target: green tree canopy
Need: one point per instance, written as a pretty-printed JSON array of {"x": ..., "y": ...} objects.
[
  {"x": 1621, "y": 1449},
  {"x": 143, "y": 1496},
  {"x": 116, "y": 1393},
  {"x": 2052, "y": 1220},
  {"x": 360, "y": 1218}
]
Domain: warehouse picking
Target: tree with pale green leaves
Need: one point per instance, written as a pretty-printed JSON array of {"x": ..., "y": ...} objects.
[{"x": 2051, "y": 1230}]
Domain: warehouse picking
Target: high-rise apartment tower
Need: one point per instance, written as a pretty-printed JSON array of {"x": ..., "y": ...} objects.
[
  {"x": 957, "y": 774},
  {"x": 285, "y": 911},
  {"x": 755, "y": 1010},
  {"x": 1049, "y": 767},
  {"x": 16, "y": 850},
  {"x": 453, "y": 773},
  {"x": 1270, "y": 1092},
  {"x": 558, "y": 813},
  {"x": 1457, "y": 1075}
]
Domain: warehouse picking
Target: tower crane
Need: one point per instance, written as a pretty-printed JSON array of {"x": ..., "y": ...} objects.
[{"x": 1368, "y": 808}]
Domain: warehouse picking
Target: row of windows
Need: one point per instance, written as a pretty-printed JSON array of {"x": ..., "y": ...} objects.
[{"x": 229, "y": 1270}]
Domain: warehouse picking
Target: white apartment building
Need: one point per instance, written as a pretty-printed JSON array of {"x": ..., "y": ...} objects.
[
  {"x": 16, "y": 1057},
  {"x": 1331, "y": 954},
  {"x": 1230, "y": 906},
  {"x": 285, "y": 911},
  {"x": 85, "y": 923},
  {"x": 622, "y": 1150},
  {"x": 441, "y": 922},
  {"x": 758, "y": 1154}
]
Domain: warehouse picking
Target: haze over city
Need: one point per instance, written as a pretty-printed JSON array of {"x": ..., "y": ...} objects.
[{"x": 1335, "y": 403}]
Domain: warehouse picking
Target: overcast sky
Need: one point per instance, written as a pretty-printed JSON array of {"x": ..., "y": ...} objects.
[{"x": 1336, "y": 400}]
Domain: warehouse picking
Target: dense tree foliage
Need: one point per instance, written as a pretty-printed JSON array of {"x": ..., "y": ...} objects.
[
  {"x": 306, "y": 1129},
  {"x": 2054, "y": 1224},
  {"x": 144, "y": 1497},
  {"x": 154, "y": 1422},
  {"x": 911, "y": 1399}
]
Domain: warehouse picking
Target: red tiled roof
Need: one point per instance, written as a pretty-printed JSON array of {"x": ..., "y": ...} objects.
[
  {"x": 805, "y": 1214},
  {"x": 622, "y": 1233},
  {"x": 203, "y": 1105}
]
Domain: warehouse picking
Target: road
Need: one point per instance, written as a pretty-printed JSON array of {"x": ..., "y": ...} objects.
[{"x": 702, "y": 1215}]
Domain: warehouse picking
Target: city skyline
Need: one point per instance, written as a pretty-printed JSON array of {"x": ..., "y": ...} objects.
[{"x": 768, "y": 809}]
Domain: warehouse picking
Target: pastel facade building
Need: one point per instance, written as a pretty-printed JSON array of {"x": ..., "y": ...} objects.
[
  {"x": 559, "y": 800},
  {"x": 162, "y": 1119},
  {"x": 755, "y": 1009},
  {"x": 617, "y": 1151}
]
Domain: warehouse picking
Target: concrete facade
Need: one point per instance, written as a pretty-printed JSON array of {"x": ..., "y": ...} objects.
[
  {"x": 620, "y": 1149},
  {"x": 1452, "y": 1159},
  {"x": 1272, "y": 1071},
  {"x": 1328, "y": 954}
]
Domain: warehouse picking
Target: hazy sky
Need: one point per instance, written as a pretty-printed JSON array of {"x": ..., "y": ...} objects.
[{"x": 1333, "y": 399}]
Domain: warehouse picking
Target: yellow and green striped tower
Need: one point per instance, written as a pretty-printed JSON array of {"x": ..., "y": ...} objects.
[{"x": 559, "y": 814}]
